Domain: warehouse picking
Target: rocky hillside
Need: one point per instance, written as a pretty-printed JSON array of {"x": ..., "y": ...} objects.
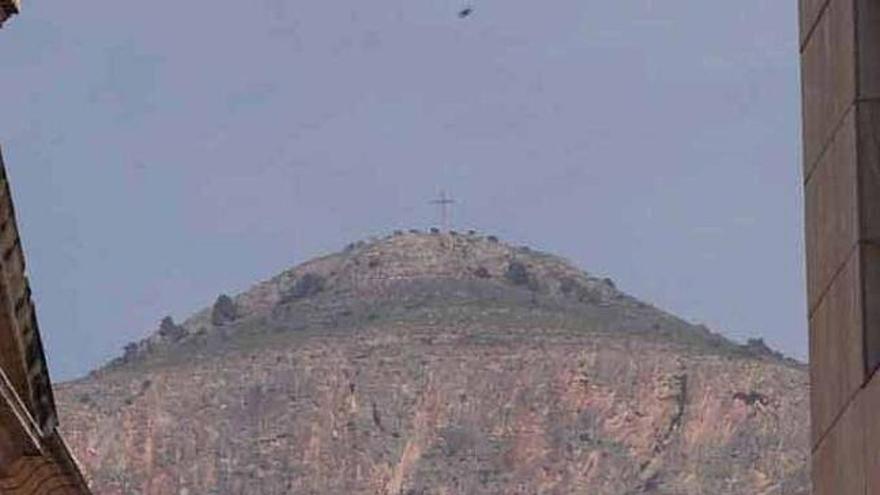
[{"x": 439, "y": 364}]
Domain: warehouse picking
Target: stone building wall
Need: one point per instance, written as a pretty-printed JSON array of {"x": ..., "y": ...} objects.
[{"x": 840, "y": 65}]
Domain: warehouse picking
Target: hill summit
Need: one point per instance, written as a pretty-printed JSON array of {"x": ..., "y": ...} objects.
[
  {"x": 433, "y": 276},
  {"x": 440, "y": 363}
]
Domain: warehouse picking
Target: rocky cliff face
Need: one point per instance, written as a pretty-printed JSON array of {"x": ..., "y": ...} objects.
[{"x": 440, "y": 364}]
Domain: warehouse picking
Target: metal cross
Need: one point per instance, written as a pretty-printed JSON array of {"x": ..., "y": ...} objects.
[{"x": 444, "y": 202}]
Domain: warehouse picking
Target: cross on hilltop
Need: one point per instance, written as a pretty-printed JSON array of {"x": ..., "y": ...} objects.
[{"x": 444, "y": 202}]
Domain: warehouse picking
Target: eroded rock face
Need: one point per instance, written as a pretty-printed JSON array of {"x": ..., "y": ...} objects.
[{"x": 475, "y": 386}]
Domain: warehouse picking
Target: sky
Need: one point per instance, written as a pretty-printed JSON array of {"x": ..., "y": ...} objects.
[{"x": 164, "y": 152}]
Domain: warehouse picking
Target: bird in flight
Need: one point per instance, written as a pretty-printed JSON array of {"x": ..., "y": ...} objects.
[{"x": 465, "y": 12}]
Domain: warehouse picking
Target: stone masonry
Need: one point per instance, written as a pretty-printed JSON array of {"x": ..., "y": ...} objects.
[{"x": 840, "y": 62}]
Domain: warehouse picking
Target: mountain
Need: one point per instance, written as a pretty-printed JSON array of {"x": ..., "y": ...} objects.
[{"x": 440, "y": 363}]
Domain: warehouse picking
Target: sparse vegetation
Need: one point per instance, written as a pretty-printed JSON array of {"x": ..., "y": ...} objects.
[
  {"x": 578, "y": 290},
  {"x": 223, "y": 311},
  {"x": 171, "y": 331},
  {"x": 517, "y": 273},
  {"x": 308, "y": 285},
  {"x": 426, "y": 300},
  {"x": 430, "y": 299},
  {"x": 757, "y": 347},
  {"x": 130, "y": 350},
  {"x": 568, "y": 286}
]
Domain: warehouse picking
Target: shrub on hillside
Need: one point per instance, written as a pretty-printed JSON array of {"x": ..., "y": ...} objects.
[
  {"x": 308, "y": 285},
  {"x": 569, "y": 286},
  {"x": 170, "y": 330},
  {"x": 224, "y": 311},
  {"x": 572, "y": 288},
  {"x": 757, "y": 347},
  {"x": 130, "y": 351},
  {"x": 517, "y": 273}
]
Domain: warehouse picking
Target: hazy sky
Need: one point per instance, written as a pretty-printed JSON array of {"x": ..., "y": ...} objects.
[{"x": 162, "y": 152}]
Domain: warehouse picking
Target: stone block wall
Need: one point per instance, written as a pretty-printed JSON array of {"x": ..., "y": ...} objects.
[{"x": 840, "y": 68}]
